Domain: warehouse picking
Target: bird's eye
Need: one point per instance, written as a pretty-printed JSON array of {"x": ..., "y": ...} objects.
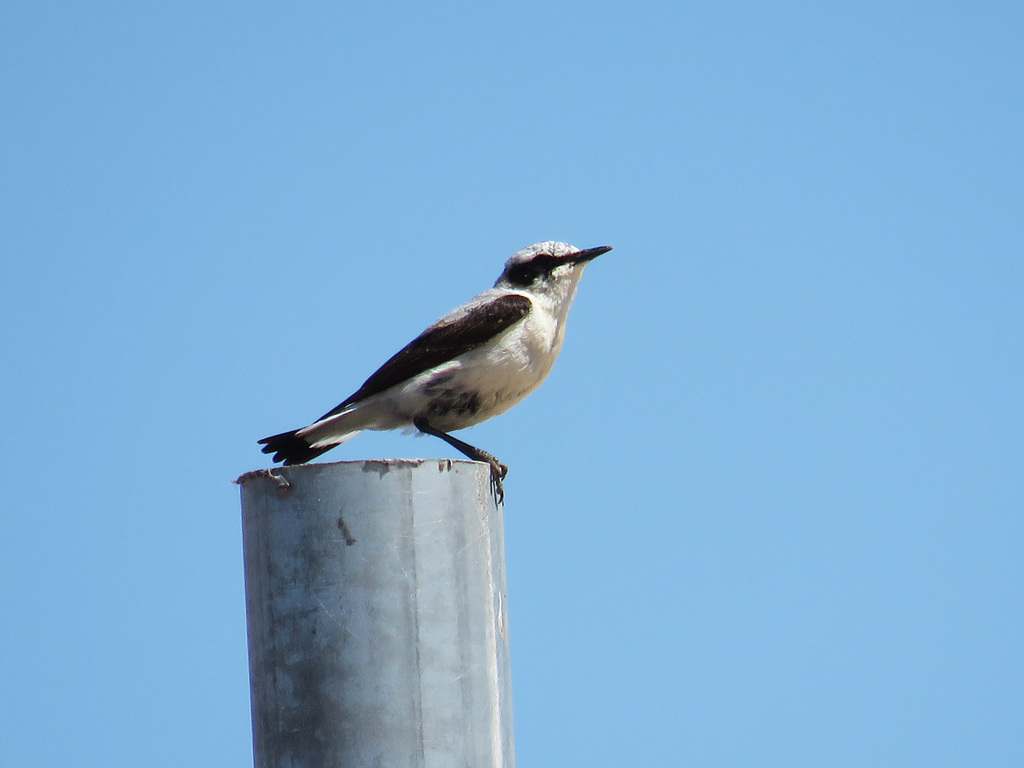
[
  {"x": 525, "y": 274},
  {"x": 522, "y": 275}
]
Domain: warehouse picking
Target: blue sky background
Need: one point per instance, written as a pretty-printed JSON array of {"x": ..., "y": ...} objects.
[{"x": 768, "y": 510}]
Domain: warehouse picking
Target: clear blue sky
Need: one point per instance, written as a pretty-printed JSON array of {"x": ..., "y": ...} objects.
[{"x": 768, "y": 510}]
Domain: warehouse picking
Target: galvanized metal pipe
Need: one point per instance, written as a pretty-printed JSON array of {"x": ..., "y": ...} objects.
[{"x": 375, "y": 599}]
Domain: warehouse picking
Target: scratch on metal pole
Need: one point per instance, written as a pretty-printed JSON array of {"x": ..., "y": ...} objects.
[{"x": 343, "y": 527}]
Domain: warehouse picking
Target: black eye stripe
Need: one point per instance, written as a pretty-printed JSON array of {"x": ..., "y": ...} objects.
[
  {"x": 541, "y": 264},
  {"x": 527, "y": 272},
  {"x": 523, "y": 274}
]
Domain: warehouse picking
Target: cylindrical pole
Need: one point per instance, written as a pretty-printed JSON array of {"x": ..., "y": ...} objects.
[{"x": 375, "y": 599}]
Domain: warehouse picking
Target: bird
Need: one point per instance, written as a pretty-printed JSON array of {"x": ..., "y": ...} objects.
[{"x": 475, "y": 362}]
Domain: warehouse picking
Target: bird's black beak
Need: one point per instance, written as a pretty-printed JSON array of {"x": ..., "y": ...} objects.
[{"x": 587, "y": 254}]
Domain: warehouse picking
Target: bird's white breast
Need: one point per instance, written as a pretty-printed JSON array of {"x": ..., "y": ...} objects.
[{"x": 494, "y": 376}]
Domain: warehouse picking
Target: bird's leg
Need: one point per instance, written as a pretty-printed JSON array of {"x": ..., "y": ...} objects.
[{"x": 498, "y": 470}]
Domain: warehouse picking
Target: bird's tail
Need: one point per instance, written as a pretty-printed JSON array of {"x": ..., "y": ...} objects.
[
  {"x": 301, "y": 445},
  {"x": 289, "y": 448}
]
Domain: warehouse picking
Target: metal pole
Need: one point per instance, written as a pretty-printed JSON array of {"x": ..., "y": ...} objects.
[{"x": 375, "y": 599}]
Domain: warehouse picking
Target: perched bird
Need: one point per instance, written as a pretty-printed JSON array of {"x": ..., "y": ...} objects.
[{"x": 477, "y": 361}]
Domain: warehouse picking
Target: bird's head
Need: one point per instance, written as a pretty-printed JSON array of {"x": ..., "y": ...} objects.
[{"x": 548, "y": 268}]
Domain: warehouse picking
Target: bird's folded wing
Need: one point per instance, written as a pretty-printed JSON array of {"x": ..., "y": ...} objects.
[{"x": 444, "y": 340}]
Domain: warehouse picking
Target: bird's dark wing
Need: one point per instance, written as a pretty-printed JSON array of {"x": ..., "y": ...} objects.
[{"x": 441, "y": 342}]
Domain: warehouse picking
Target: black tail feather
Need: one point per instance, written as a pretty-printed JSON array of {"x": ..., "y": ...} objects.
[{"x": 290, "y": 448}]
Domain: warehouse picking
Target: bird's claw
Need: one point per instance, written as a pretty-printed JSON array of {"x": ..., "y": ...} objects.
[{"x": 498, "y": 472}]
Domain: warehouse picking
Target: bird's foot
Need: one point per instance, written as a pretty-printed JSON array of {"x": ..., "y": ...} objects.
[{"x": 498, "y": 472}]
